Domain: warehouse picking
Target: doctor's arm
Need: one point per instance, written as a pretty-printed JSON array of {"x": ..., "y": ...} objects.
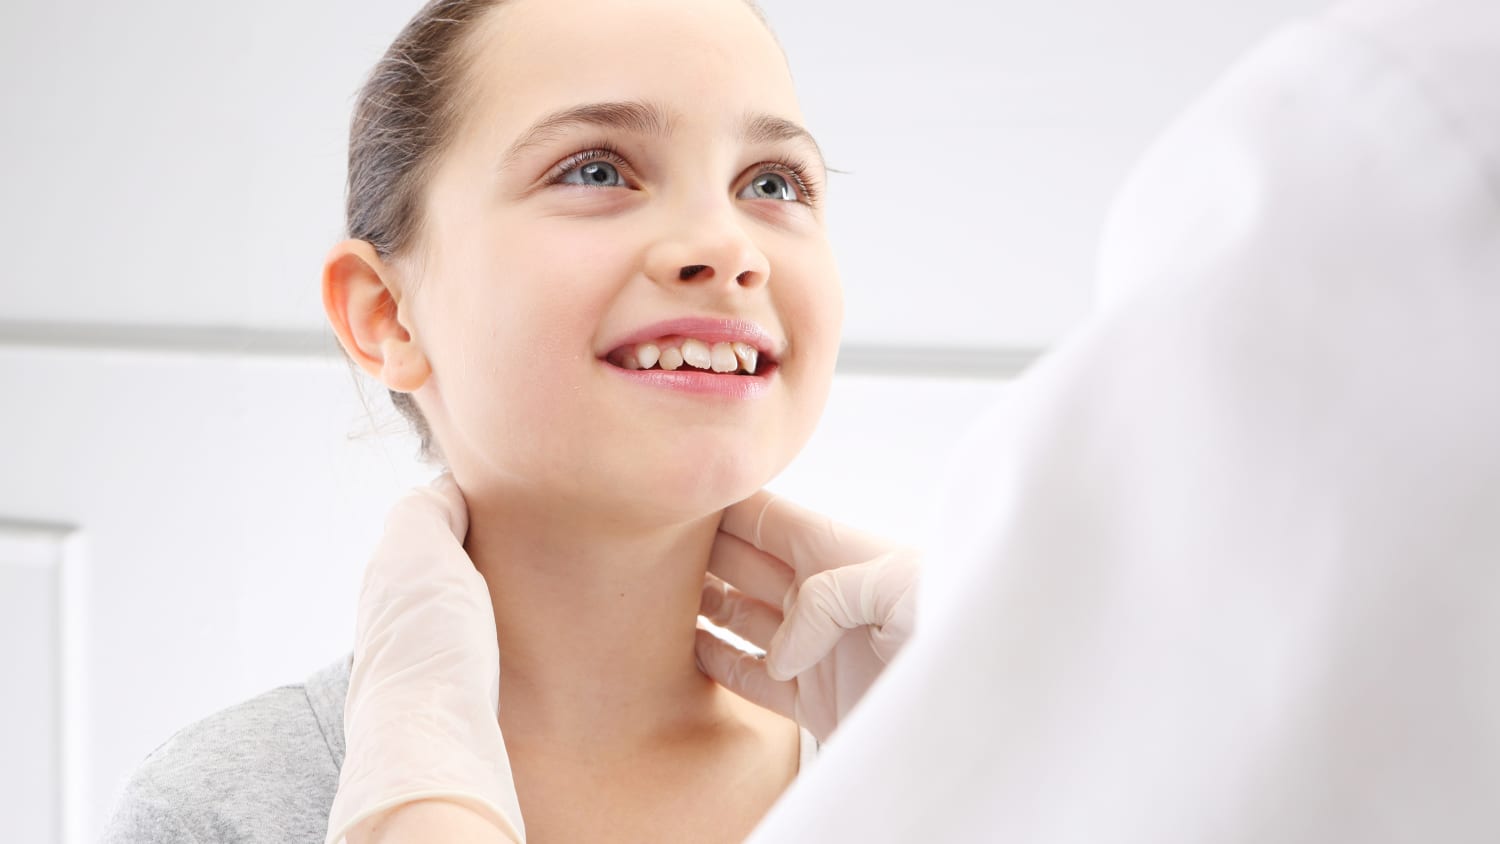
[{"x": 1225, "y": 570}]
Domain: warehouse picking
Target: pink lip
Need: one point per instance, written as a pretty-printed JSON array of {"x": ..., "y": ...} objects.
[
  {"x": 708, "y": 330},
  {"x": 703, "y": 383}
]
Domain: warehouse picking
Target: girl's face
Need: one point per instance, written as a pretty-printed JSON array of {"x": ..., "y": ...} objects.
[{"x": 549, "y": 251}]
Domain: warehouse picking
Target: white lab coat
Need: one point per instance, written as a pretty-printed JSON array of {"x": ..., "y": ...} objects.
[{"x": 1225, "y": 566}]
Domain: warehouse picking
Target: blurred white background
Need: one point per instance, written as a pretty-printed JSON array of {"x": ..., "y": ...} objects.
[{"x": 190, "y": 480}]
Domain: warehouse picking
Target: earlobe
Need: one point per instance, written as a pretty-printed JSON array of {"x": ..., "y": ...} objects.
[
  {"x": 362, "y": 308},
  {"x": 403, "y": 366}
]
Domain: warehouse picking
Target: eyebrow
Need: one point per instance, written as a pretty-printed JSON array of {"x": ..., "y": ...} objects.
[{"x": 644, "y": 118}]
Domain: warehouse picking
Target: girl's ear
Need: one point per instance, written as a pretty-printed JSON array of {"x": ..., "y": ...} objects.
[{"x": 363, "y": 310}]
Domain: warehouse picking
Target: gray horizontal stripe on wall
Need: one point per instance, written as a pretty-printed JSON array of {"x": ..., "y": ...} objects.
[{"x": 998, "y": 363}]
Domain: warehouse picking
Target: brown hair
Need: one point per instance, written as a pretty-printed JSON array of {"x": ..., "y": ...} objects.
[{"x": 405, "y": 118}]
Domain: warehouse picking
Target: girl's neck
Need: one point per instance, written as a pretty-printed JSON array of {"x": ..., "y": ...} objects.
[{"x": 595, "y": 624}]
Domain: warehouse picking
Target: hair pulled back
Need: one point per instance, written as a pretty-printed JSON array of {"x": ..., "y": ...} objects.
[{"x": 405, "y": 117}]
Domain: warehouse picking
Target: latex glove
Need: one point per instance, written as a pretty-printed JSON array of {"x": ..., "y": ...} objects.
[
  {"x": 830, "y": 605},
  {"x": 421, "y": 719}
]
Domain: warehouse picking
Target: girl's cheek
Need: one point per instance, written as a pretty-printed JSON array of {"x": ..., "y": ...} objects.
[{"x": 571, "y": 208}]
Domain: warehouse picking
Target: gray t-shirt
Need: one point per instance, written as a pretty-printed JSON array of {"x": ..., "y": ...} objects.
[{"x": 264, "y": 770}]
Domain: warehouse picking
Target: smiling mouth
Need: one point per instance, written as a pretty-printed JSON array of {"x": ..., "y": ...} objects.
[
  {"x": 689, "y": 355},
  {"x": 763, "y": 370}
]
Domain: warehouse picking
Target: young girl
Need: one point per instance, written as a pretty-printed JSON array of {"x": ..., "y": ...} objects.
[{"x": 587, "y": 255}]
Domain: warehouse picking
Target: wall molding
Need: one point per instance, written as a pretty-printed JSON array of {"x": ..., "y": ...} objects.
[
  {"x": 168, "y": 339},
  {"x": 987, "y": 363}
]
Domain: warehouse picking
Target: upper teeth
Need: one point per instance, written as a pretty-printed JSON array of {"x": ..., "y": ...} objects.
[{"x": 721, "y": 357}]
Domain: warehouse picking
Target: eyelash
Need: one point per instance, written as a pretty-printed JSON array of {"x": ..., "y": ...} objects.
[{"x": 796, "y": 169}]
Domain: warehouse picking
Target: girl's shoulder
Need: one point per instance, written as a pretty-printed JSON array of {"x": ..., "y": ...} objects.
[{"x": 264, "y": 769}]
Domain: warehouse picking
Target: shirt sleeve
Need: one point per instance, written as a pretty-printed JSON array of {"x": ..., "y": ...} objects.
[{"x": 144, "y": 814}]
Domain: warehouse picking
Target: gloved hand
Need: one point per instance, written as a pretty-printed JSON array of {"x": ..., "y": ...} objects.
[
  {"x": 830, "y": 606},
  {"x": 421, "y": 719}
]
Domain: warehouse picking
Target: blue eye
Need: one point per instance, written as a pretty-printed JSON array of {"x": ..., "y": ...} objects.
[
  {"x": 770, "y": 185},
  {"x": 598, "y": 174},
  {"x": 787, "y": 179}
]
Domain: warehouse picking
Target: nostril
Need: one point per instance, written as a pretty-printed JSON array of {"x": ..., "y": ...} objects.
[{"x": 689, "y": 272}]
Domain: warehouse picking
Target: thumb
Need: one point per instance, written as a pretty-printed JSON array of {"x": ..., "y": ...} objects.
[
  {"x": 451, "y": 503},
  {"x": 437, "y": 503},
  {"x": 828, "y": 605}
]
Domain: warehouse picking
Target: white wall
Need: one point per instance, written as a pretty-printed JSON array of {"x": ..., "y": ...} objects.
[
  {"x": 182, "y": 516},
  {"x": 183, "y": 162}
]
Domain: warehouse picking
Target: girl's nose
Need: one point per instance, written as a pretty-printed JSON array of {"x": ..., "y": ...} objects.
[
  {"x": 690, "y": 273},
  {"x": 708, "y": 250}
]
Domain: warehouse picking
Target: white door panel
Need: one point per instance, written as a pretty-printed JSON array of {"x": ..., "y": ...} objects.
[{"x": 43, "y": 712}]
